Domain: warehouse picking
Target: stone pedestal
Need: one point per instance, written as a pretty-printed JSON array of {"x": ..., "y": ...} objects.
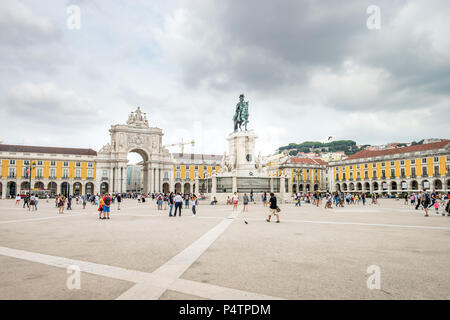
[{"x": 241, "y": 151}]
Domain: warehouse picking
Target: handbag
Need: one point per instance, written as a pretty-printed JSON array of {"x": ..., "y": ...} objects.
[{"x": 278, "y": 209}]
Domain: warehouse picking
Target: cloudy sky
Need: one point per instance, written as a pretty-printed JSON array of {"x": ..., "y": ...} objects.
[{"x": 310, "y": 69}]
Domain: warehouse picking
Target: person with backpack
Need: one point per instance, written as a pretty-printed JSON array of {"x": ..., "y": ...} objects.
[
  {"x": 106, "y": 206},
  {"x": 273, "y": 208}
]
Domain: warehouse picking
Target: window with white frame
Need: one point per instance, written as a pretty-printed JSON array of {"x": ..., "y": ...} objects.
[
  {"x": 65, "y": 173},
  {"x": 89, "y": 173}
]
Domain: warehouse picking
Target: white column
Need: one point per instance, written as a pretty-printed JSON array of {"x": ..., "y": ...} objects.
[
  {"x": 282, "y": 188},
  {"x": 150, "y": 179},
  {"x": 197, "y": 187}
]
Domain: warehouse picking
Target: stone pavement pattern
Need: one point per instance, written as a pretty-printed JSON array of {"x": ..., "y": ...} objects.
[{"x": 141, "y": 253}]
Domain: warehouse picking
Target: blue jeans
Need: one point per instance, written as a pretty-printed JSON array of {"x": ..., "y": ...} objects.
[
  {"x": 178, "y": 205},
  {"x": 171, "y": 207}
]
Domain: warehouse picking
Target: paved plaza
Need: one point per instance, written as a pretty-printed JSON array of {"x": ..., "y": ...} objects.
[{"x": 141, "y": 253}]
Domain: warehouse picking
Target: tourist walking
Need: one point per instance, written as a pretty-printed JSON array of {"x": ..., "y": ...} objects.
[
  {"x": 273, "y": 208},
  {"x": 194, "y": 205},
  {"x": 18, "y": 198},
  {"x": 61, "y": 205},
  {"x": 245, "y": 201},
  {"x": 426, "y": 200},
  {"x": 171, "y": 202},
  {"x": 235, "y": 201},
  {"x": 119, "y": 200}
]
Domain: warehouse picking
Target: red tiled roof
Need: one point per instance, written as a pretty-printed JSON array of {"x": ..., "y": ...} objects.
[
  {"x": 419, "y": 147},
  {"x": 308, "y": 161},
  {"x": 38, "y": 149}
]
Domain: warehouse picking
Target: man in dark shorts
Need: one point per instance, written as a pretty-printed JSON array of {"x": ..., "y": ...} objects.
[{"x": 273, "y": 208}]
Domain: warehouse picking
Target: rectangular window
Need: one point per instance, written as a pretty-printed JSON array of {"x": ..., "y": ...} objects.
[
  {"x": 65, "y": 164},
  {"x": 39, "y": 163},
  {"x": 105, "y": 173},
  {"x": 413, "y": 172},
  {"x": 77, "y": 173},
  {"x": 366, "y": 174},
  {"x": 424, "y": 160},
  {"x": 402, "y": 162},
  {"x": 78, "y": 164},
  {"x": 366, "y": 166},
  {"x": 337, "y": 176},
  {"x": 90, "y": 165},
  {"x": 413, "y": 161},
  {"x": 402, "y": 172},
  {"x": 343, "y": 176},
  {"x": 53, "y": 163},
  {"x": 436, "y": 171},
  {"x": 178, "y": 175},
  {"x": 26, "y": 162},
  {"x": 383, "y": 174},
  {"x": 39, "y": 173},
  {"x": 392, "y": 163},
  {"x": 12, "y": 162},
  {"x": 25, "y": 172},
  {"x": 436, "y": 159},
  {"x": 65, "y": 173},
  {"x": 166, "y": 175},
  {"x": 52, "y": 173},
  {"x": 374, "y": 174},
  {"x": 89, "y": 173},
  {"x": 424, "y": 172},
  {"x": 12, "y": 172},
  {"x": 392, "y": 173},
  {"x": 383, "y": 164}
]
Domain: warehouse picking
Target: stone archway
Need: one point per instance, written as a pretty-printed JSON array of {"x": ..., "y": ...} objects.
[
  {"x": 65, "y": 189},
  {"x": 394, "y": 186},
  {"x": 166, "y": 188},
  {"x": 187, "y": 188},
  {"x": 25, "y": 186},
  {"x": 77, "y": 189},
  {"x": 338, "y": 187},
  {"x": 39, "y": 185},
  {"x": 52, "y": 187},
  {"x": 437, "y": 184},
  {"x": 11, "y": 189},
  {"x": 177, "y": 187},
  {"x": 89, "y": 188},
  {"x": 104, "y": 188},
  {"x": 366, "y": 186},
  {"x": 135, "y": 136}
]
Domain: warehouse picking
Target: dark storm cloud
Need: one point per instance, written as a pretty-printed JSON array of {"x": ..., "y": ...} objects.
[{"x": 267, "y": 46}]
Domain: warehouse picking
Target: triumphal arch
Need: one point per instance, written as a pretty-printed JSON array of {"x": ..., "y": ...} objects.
[{"x": 135, "y": 136}]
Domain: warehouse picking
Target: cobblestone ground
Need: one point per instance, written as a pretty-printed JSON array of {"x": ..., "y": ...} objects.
[{"x": 141, "y": 253}]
